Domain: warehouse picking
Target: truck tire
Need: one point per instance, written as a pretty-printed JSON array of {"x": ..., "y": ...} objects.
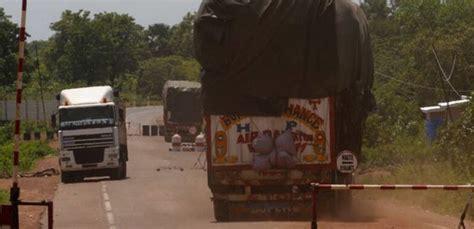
[
  {"x": 119, "y": 173},
  {"x": 123, "y": 174},
  {"x": 221, "y": 211},
  {"x": 66, "y": 177},
  {"x": 69, "y": 177}
]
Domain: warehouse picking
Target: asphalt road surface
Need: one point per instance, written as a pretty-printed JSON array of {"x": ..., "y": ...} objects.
[{"x": 169, "y": 190}]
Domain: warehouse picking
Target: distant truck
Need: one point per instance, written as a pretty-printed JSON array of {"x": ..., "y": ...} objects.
[
  {"x": 182, "y": 110},
  {"x": 92, "y": 134},
  {"x": 286, "y": 88}
]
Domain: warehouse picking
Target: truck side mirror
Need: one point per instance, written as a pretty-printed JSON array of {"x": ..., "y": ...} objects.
[
  {"x": 116, "y": 93},
  {"x": 53, "y": 121}
]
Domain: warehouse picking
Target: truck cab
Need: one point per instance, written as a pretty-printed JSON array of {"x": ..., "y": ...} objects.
[{"x": 92, "y": 134}]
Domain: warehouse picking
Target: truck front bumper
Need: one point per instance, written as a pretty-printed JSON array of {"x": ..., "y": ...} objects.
[{"x": 110, "y": 161}]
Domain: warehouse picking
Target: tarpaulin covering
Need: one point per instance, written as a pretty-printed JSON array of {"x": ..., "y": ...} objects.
[
  {"x": 182, "y": 101},
  {"x": 257, "y": 53}
]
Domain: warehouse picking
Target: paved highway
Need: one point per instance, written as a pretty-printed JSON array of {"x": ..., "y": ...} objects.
[{"x": 165, "y": 190}]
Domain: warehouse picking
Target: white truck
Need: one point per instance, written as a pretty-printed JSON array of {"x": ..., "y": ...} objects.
[{"x": 92, "y": 134}]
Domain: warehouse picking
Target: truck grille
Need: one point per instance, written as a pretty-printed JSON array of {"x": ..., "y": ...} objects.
[
  {"x": 104, "y": 140},
  {"x": 89, "y": 155}
]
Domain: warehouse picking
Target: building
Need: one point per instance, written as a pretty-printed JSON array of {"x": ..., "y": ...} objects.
[{"x": 437, "y": 115}]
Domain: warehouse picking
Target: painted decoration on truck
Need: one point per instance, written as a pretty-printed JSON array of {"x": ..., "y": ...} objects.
[{"x": 308, "y": 120}]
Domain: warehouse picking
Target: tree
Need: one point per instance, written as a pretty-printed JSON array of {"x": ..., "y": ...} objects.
[
  {"x": 181, "y": 40},
  {"x": 376, "y": 9},
  {"x": 8, "y": 50},
  {"x": 158, "y": 36},
  {"x": 407, "y": 75},
  {"x": 155, "y": 72},
  {"x": 121, "y": 45},
  {"x": 72, "y": 55},
  {"x": 95, "y": 50}
]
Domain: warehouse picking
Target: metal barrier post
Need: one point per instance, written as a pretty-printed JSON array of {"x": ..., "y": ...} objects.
[
  {"x": 14, "y": 196},
  {"x": 314, "y": 221},
  {"x": 48, "y": 204},
  {"x": 50, "y": 215}
]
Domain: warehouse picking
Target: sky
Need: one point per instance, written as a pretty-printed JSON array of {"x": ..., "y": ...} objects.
[{"x": 41, "y": 13}]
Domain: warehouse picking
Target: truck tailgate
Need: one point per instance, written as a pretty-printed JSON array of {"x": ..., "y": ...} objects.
[{"x": 311, "y": 122}]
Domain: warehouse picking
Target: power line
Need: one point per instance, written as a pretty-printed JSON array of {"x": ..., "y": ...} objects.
[
  {"x": 446, "y": 78},
  {"x": 414, "y": 85}
]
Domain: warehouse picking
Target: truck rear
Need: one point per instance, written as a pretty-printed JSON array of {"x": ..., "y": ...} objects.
[
  {"x": 276, "y": 191},
  {"x": 182, "y": 110},
  {"x": 300, "y": 71}
]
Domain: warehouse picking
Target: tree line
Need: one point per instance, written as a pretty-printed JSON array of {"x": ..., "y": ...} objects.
[{"x": 105, "y": 48}]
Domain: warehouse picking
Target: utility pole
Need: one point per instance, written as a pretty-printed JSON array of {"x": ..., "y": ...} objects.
[{"x": 41, "y": 85}]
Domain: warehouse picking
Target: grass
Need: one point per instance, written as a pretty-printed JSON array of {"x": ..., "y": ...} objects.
[
  {"x": 415, "y": 162},
  {"x": 4, "y": 196},
  {"x": 442, "y": 202},
  {"x": 29, "y": 153}
]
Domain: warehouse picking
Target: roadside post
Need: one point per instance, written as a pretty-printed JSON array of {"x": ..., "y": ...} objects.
[
  {"x": 12, "y": 212},
  {"x": 15, "y": 189}
]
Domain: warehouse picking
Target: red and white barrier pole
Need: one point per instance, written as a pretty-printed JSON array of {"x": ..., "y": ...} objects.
[
  {"x": 316, "y": 187},
  {"x": 393, "y": 187},
  {"x": 15, "y": 190}
]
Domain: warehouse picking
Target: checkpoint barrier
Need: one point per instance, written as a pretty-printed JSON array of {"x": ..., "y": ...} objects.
[{"x": 316, "y": 187}]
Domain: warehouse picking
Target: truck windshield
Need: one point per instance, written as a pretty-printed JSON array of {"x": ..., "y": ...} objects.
[
  {"x": 86, "y": 117},
  {"x": 185, "y": 108}
]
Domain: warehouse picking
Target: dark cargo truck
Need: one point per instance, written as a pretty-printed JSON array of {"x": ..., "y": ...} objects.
[
  {"x": 182, "y": 110},
  {"x": 286, "y": 87}
]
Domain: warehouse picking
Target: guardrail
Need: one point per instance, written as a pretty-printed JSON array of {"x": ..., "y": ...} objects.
[{"x": 316, "y": 187}]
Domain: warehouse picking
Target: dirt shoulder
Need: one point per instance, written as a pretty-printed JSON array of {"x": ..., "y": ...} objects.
[{"x": 35, "y": 189}]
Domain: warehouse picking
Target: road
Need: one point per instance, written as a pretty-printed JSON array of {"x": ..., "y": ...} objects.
[{"x": 165, "y": 190}]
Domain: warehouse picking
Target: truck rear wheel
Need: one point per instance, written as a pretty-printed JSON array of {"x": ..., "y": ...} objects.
[{"x": 221, "y": 210}]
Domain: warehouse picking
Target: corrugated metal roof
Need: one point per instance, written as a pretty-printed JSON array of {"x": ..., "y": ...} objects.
[{"x": 443, "y": 106}]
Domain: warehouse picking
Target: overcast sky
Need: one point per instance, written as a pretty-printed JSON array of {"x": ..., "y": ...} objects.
[{"x": 41, "y": 13}]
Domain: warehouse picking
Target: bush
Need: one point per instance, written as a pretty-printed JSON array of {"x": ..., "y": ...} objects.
[
  {"x": 29, "y": 153},
  {"x": 456, "y": 142},
  {"x": 4, "y": 196},
  {"x": 6, "y": 132}
]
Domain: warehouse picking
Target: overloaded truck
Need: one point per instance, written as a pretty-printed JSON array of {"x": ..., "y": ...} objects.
[
  {"x": 182, "y": 110},
  {"x": 286, "y": 88},
  {"x": 92, "y": 134}
]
